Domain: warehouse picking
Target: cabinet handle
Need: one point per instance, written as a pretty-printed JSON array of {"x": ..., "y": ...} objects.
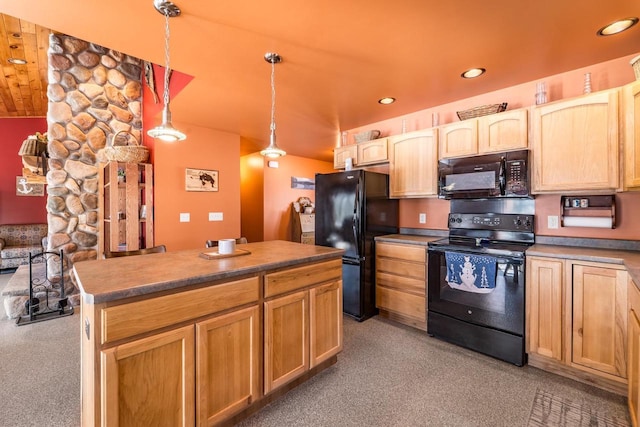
[
  {"x": 580, "y": 331},
  {"x": 87, "y": 327}
]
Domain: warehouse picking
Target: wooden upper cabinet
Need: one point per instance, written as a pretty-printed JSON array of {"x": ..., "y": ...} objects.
[
  {"x": 413, "y": 164},
  {"x": 504, "y": 131},
  {"x": 459, "y": 139},
  {"x": 341, "y": 154},
  {"x": 575, "y": 144},
  {"x": 631, "y": 126},
  {"x": 371, "y": 152},
  {"x": 600, "y": 319}
]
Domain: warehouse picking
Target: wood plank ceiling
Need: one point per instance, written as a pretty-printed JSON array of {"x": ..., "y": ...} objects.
[{"x": 23, "y": 87}]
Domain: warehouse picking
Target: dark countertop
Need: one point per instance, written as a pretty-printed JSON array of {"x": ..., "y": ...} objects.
[
  {"x": 630, "y": 259},
  {"x": 116, "y": 278},
  {"x": 411, "y": 239}
]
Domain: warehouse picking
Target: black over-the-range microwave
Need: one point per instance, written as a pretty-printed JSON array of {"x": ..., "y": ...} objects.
[{"x": 485, "y": 176}]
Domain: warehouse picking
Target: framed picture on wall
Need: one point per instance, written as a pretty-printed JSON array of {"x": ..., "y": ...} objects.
[
  {"x": 23, "y": 188},
  {"x": 201, "y": 180}
]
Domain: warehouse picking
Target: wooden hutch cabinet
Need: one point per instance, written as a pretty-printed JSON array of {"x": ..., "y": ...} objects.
[{"x": 125, "y": 207}]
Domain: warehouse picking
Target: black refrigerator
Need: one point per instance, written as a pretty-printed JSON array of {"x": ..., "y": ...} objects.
[{"x": 353, "y": 207}]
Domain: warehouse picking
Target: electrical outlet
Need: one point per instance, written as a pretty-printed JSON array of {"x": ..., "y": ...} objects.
[
  {"x": 552, "y": 221},
  {"x": 185, "y": 217},
  {"x": 215, "y": 216},
  {"x": 422, "y": 219}
]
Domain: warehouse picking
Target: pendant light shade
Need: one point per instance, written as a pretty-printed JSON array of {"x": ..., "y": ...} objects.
[
  {"x": 272, "y": 151},
  {"x": 165, "y": 131}
]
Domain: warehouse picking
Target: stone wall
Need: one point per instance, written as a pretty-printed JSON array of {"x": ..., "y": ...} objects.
[{"x": 93, "y": 93}]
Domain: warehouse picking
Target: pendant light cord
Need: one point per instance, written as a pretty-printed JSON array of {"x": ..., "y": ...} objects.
[
  {"x": 167, "y": 69},
  {"x": 273, "y": 96}
]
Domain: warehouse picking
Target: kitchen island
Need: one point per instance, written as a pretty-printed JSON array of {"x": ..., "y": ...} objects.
[{"x": 178, "y": 339}]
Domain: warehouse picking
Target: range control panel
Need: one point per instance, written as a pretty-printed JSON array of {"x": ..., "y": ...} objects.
[{"x": 491, "y": 221}]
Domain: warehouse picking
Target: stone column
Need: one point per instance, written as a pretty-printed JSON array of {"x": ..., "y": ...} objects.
[{"x": 93, "y": 93}]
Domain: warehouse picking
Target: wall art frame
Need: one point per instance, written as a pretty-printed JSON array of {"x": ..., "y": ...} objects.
[{"x": 201, "y": 180}]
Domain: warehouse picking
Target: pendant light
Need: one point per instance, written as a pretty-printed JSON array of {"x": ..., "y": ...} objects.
[
  {"x": 165, "y": 131},
  {"x": 272, "y": 151}
]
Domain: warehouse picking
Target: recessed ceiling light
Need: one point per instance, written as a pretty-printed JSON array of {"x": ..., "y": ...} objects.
[
  {"x": 472, "y": 73},
  {"x": 16, "y": 61},
  {"x": 617, "y": 26},
  {"x": 386, "y": 100}
]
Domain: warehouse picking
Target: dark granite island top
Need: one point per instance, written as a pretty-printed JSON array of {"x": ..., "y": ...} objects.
[{"x": 117, "y": 278}]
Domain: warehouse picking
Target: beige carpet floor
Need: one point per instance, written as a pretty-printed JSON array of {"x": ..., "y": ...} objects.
[{"x": 387, "y": 375}]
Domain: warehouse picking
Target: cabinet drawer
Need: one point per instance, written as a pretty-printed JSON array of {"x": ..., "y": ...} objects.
[
  {"x": 400, "y": 302},
  {"x": 404, "y": 252},
  {"x": 301, "y": 277},
  {"x": 408, "y": 284},
  {"x": 127, "y": 320},
  {"x": 401, "y": 268}
]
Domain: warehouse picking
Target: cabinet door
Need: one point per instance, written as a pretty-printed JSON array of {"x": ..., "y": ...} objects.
[
  {"x": 459, "y": 139},
  {"x": 150, "y": 381},
  {"x": 286, "y": 338},
  {"x": 325, "y": 311},
  {"x": 373, "y": 152},
  {"x": 413, "y": 164},
  {"x": 631, "y": 126},
  {"x": 544, "y": 307},
  {"x": 227, "y": 364},
  {"x": 575, "y": 144},
  {"x": 600, "y": 319},
  {"x": 633, "y": 371},
  {"x": 503, "y": 131},
  {"x": 633, "y": 366},
  {"x": 342, "y": 153}
]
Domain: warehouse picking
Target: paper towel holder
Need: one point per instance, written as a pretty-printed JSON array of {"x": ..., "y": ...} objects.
[{"x": 588, "y": 211}]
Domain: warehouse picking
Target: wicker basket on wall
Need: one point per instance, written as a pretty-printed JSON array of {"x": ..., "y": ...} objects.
[{"x": 126, "y": 153}]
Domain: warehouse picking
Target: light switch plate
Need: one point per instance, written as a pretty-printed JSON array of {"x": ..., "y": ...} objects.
[
  {"x": 215, "y": 216},
  {"x": 422, "y": 218},
  {"x": 552, "y": 221},
  {"x": 185, "y": 217}
]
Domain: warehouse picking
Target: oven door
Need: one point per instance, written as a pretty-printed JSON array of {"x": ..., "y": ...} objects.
[{"x": 467, "y": 291}]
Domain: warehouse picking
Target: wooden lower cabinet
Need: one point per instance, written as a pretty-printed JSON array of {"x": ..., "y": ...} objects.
[
  {"x": 325, "y": 314},
  {"x": 577, "y": 320},
  {"x": 301, "y": 330},
  {"x": 201, "y": 356},
  {"x": 286, "y": 331},
  {"x": 401, "y": 271},
  {"x": 633, "y": 360},
  {"x": 600, "y": 319},
  {"x": 149, "y": 381},
  {"x": 227, "y": 364},
  {"x": 544, "y": 301}
]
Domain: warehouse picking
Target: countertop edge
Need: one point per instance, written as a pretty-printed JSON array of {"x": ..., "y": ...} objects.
[{"x": 169, "y": 285}]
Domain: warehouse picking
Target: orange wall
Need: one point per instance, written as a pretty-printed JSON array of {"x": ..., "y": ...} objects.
[
  {"x": 605, "y": 75},
  {"x": 275, "y": 194},
  {"x": 203, "y": 149},
  {"x": 252, "y": 196},
  {"x": 279, "y": 195}
]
